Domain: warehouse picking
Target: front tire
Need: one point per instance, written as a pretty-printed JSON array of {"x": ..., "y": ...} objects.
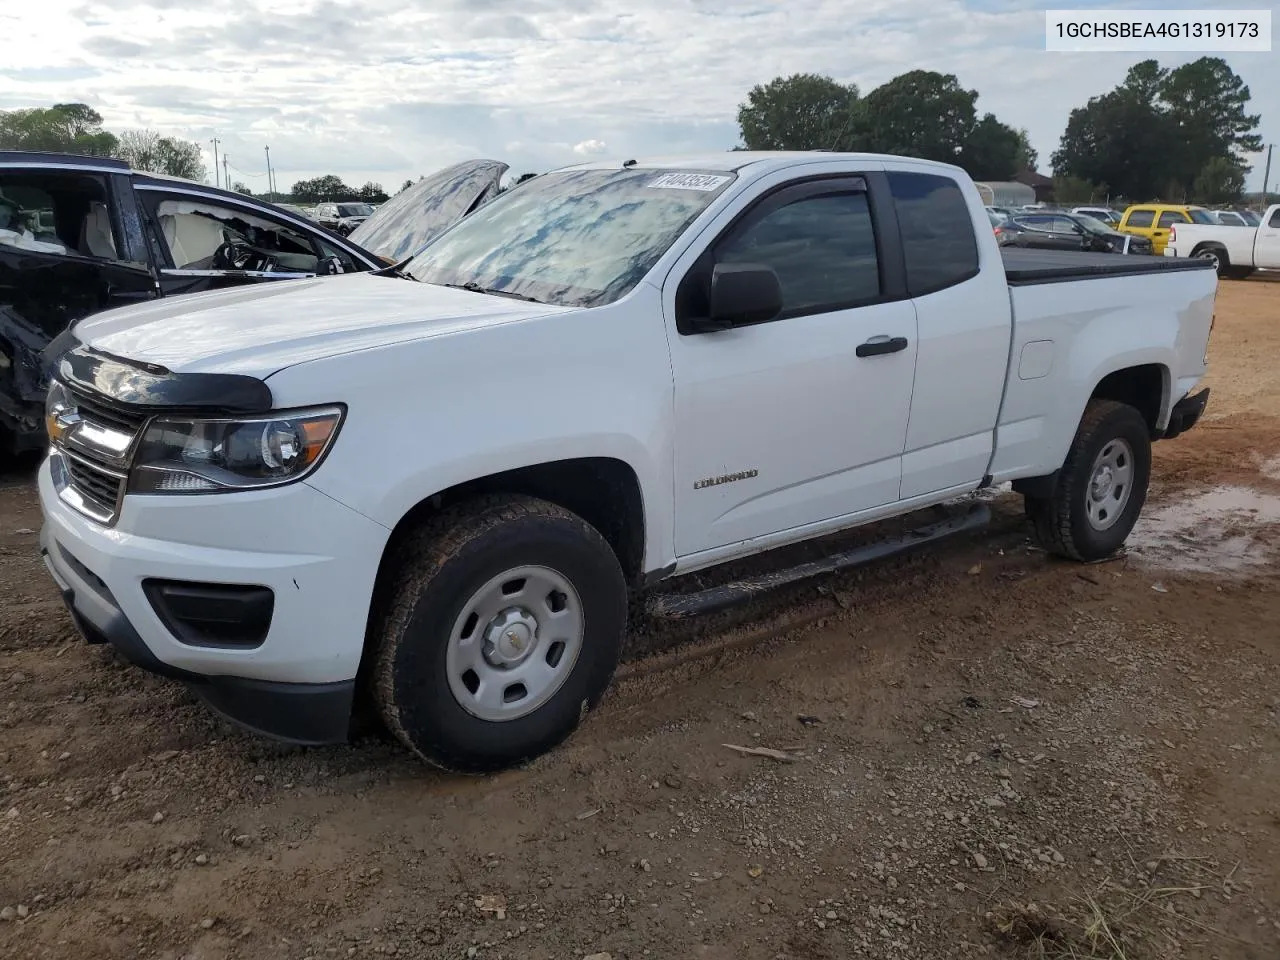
[
  {"x": 1101, "y": 488},
  {"x": 503, "y": 627}
]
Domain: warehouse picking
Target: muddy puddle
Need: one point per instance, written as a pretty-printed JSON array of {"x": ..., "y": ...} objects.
[{"x": 1225, "y": 530}]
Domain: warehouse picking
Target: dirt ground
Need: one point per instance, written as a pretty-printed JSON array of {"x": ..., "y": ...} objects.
[{"x": 987, "y": 753}]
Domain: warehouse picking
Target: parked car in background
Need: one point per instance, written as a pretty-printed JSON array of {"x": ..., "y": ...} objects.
[
  {"x": 813, "y": 342},
  {"x": 342, "y": 218},
  {"x": 298, "y": 210},
  {"x": 1105, "y": 214},
  {"x": 1234, "y": 218},
  {"x": 1065, "y": 231},
  {"x": 82, "y": 234},
  {"x": 1154, "y": 220},
  {"x": 1234, "y": 251}
]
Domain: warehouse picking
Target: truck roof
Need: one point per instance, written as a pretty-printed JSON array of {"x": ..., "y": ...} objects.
[
  {"x": 762, "y": 161},
  {"x": 46, "y": 158}
]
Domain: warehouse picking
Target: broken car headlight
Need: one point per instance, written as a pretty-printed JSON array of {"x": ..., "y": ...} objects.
[{"x": 213, "y": 456}]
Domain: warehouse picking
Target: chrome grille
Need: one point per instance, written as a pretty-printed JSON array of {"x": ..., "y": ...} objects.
[
  {"x": 100, "y": 486},
  {"x": 93, "y": 455},
  {"x": 95, "y": 409}
]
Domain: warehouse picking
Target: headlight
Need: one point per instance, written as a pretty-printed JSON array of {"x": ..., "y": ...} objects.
[
  {"x": 57, "y": 402},
  {"x": 210, "y": 456}
]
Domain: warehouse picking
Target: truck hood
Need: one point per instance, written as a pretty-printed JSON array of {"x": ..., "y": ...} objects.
[{"x": 261, "y": 329}]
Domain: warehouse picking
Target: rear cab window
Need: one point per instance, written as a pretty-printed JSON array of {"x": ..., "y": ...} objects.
[
  {"x": 61, "y": 213},
  {"x": 938, "y": 241}
]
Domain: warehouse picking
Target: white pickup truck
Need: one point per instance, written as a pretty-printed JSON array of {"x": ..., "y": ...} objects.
[
  {"x": 1233, "y": 251},
  {"x": 440, "y": 486}
]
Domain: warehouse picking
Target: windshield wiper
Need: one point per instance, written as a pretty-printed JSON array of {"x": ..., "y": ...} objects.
[{"x": 474, "y": 287}]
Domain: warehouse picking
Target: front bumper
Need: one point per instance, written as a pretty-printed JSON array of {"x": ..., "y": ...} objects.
[
  {"x": 297, "y": 682},
  {"x": 1186, "y": 414}
]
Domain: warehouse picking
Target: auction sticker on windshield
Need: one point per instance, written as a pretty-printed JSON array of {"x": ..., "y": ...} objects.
[{"x": 705, "y": 182}]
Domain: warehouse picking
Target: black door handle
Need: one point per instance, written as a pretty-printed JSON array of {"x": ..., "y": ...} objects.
[{"x": 876, "y": 348}]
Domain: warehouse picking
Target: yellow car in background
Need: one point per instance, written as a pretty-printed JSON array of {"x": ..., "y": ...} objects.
[{"x": 1153, "y": 221}]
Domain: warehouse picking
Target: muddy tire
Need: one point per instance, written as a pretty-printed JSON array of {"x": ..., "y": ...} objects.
[
  {"x": 1101, "y": 488},
  {"x": 502, "y": 627}
]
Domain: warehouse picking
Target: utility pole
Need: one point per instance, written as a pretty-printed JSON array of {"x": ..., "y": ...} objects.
[
  {"x": 1266, "y": 176},
  {"x": 215, "y": 141},
  {"x": 226, "y": 177},
  {"x": 271, "y": 191}
]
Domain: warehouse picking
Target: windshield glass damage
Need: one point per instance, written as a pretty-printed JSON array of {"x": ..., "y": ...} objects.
[{"x": 576, "y": 238}]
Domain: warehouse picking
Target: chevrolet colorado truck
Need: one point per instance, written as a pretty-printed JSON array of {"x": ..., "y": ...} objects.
[
  {"x": 443, "y": 486},
  {"x": 1233, "y": 251}
]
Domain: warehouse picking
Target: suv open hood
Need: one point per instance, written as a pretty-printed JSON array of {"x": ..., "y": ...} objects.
[{"x": 414, "y": 217}]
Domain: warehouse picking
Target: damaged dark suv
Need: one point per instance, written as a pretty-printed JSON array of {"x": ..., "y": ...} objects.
[{"x": 79, "y": 235}]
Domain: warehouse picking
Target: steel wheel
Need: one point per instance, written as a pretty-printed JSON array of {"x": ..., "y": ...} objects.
[
  {"x": 1212, "y": 256},
  {"x": 1110, "y": 484},
  {"x": 515, "y": 643}
]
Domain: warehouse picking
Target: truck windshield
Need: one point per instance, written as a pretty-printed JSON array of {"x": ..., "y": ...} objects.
[{"x": 577, "y": 237}]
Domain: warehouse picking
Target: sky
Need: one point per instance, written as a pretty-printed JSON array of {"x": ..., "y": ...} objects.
[{"x": 385, "y": 90}]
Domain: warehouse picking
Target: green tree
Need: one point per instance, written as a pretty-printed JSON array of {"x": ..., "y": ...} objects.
[
  {"x": 62, "y": 128},
  {"x": 372, "y": 193},
  {"x": 1027, "y": 158},
  {"x": 1207, "y": 101},
  {"x": 1220, "y": 181},
  {"x": 1155, "y": 134},
  {"x": 919, "y": 114},
  {"x": 993, "y": 150},
  {"x": 321, "y": 189},
  {"x": 147, "y": 150},
  {"x": 1122, "y": 138},
  {"x": 802, "y": 112},
  {"x": 405, "y": 186},
  {"x": 239, "y": 187}
]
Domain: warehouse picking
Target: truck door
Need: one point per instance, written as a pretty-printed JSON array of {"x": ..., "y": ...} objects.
[
  {"x": 802, "y": 418},
  {"x": 965, "y": 327},
  {"x": 1160, "y": 235},
  {"x": 65, "y": 253},
  {"x": 1266, "y": 251}
]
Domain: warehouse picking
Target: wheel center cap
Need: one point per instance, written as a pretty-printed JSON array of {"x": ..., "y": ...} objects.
[
  {"x": 510, "y": 638},
  {"x": 1103, "y": 481}
]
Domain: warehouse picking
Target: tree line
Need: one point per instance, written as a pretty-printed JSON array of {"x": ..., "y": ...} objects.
[
  {"x": 330, "y": 188},
  {"x": 1162, "y": 134},
  {"x": 1175, "y": 134},
  {"x": 921, "y": 113},
  {"x": 77, "y": 128}
]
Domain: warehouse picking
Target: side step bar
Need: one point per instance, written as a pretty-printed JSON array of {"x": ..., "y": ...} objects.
[{"x": 679, "y": 606}]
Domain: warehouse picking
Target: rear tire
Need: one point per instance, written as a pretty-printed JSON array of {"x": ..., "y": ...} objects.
[
  {"x": 1101, "y": 488},
  {"x": 502, "y": 628},
  {"x": 1218, "y": 256}
]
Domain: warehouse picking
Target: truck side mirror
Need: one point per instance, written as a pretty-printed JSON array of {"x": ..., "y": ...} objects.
[{"x": 742, "y": 294}]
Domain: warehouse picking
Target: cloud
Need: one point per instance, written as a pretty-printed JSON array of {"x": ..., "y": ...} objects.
[
  {"x": 586, "y": 148},
  {"x": 390, "y": 89},
  {"x": 114, "y": 47}
]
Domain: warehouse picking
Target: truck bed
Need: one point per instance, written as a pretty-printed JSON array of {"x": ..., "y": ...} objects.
[{"x": 1026, "y": 267}]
